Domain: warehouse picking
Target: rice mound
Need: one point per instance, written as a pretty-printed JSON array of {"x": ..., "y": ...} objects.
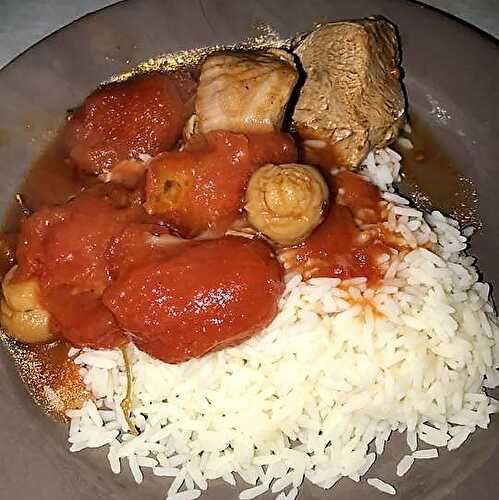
[{"x": 318, "y": 392}]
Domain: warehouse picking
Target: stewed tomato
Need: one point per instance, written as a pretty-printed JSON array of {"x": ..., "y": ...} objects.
[
  {"x": 214, "y": 294},
  {"x": 142, "y": 115}
]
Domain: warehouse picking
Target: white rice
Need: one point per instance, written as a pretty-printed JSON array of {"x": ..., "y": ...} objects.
[
  {"x": 404, "y": 465},
  {"x": 341, "y": 366},
  {"x": 425, "y": 454},
  {"x": 381, "y": 486}
]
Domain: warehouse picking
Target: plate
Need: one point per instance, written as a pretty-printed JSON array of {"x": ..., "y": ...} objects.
[{"x": 451, "y": 74}]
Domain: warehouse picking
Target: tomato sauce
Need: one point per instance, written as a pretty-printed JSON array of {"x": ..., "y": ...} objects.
[
  {"x": 67, "y": 244},
  {"x": 362, "y": 198},
  {"x": 66, "y": 248},
  {"x": 140, "y": 243},
  {"x": 81, "y": 318},
  {"x": 272, "y": 147},
  {"x": 339, "y": 247}
]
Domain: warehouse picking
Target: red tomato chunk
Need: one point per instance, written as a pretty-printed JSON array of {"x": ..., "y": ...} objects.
[
  {"x": 339, "y": 248},
  {"x": 140, "y": 243},
  {"x": 214, "y": 294},
  {"x": 119, "y": 121},
  {"x": 67, "y": 245}
]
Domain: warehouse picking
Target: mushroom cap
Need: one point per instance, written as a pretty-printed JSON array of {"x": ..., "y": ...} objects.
[{"x": 286, "y": 202}]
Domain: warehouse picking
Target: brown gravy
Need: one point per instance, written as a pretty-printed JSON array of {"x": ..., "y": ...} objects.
[{"x": 432, "y": 179}]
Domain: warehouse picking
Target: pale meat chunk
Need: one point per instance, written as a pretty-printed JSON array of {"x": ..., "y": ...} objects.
[
  {"x": 352, "y": 98},
  {"x": 244, "y": 92}
]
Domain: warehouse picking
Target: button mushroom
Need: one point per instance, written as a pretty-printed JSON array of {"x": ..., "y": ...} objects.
[
  {"x": 22, "y": 316},
  {"x": 286, "y": 202}
]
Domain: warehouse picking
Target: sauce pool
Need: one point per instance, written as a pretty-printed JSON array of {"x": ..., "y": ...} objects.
[{"x": 433, "y": 179}]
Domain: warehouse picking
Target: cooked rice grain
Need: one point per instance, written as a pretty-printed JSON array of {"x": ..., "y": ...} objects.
[
  {"x": 381, "y": 486},
  {"x": 404, "y": 465}
]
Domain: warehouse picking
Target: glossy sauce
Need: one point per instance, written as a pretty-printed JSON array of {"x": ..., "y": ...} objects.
[
  {"x": 339, "y": 248},
  {"x": 142, "y": 115},
  {"x": 433, "y": 179},
  {"x": 52, "y": 170}
]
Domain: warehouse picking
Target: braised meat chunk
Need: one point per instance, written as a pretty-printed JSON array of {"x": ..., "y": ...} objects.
[
  {"x": 244, "y": 92},
  {"x": 352, "y": 99}
]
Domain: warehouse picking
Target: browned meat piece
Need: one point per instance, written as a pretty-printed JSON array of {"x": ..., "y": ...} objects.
[
  {"x": 244, "y": 92},
  {"x": 352, "y": 99}
]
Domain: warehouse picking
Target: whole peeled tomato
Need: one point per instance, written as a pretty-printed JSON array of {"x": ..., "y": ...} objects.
[
  {"x": 67, "y": 244},
  {"x": 214, "y": 294},
  {"x": 123, "y": 120}
]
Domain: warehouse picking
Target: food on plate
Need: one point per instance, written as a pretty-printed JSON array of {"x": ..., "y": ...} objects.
[
  {"x": 200, "y": 190},
  {"x": 122, "y": 121},
  {"x": 140, "y": 242},
  {"x": 244, "y": 91},
  {"x": 99, "y": 268},
  {"x": 219, "y": 308},
  {"x": 67, "y": 244},
  {"x": 228, "y": 289},
  {"x": 286, "y": 202},
  {"x": 351, "y": 101},
  {"x": 22, "y": 314},
  {"x": 351, "y": 240}
]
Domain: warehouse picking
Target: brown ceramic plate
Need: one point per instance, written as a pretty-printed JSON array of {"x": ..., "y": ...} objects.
[{"x": 451, "y": 79}]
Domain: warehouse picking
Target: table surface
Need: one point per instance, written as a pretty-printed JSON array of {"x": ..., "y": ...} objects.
[{"x": 24, "y": 22}]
